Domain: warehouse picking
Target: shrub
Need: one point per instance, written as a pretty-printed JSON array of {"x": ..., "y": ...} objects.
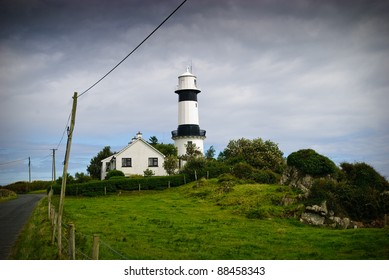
[
  {"x": 113, "y": 173},
  {"x": 325, "y": 189},
  {"x": 148, "y": 173},
  {"x": 359, "y": 195},
  {"x": 97, "y": 188},
  {"x": 265, "y": 177},
  {"x": 258, "y": 153},
  {"x": 195, "y": 165},
  {"x": 247, "y": 172},
  {"x": 214, "y": 168},
  {"x": 25, "y": 187},
  {"x": 4, "y": 194},
  {"x": 311, "y": 163},
  {"x": 243, "y": 170},
  {"x": 363, "y": 175},
  {"x": 227, "y": 177}
]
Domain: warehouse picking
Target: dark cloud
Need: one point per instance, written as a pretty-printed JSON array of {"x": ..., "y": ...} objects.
[{"x": 301, "y": 73}]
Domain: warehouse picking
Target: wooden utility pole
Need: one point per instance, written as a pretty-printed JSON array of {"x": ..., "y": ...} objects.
[
  {"x": 53, "y": 176},
  {"x": 65, "y": 171},
  {"x": 29, "y": 169}
]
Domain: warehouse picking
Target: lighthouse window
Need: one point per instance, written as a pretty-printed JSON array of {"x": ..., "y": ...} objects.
[
  {"x": 153, "y": 162},
  {"x": 126, "y": 162},
  {"x": 195, "y": 82}
]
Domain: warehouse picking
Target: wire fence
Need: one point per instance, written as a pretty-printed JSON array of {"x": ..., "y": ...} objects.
[{"x": 77, "y": 245}]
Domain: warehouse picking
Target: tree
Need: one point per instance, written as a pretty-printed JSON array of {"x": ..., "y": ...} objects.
[
  {"x": 192, "y": 151},
  {"x": 195, "y": 166},
  {"x": 310, "y": 162},
  {"x": 210, "y": 153},
  {"x": 82, "y": 177},
  {"x": 257, "y": 153},
  {"x": 170, "y": 164},
  {"x": 69, "y": 179},
  {"x": 166, "y": 149},
  {"x": 153, "y": 140},
  {"x": 148, "y": 173},
  {"x": 114, "y": 173},
  {"x": 94, "y": 169},
  {"x": 364, "y": 176}
]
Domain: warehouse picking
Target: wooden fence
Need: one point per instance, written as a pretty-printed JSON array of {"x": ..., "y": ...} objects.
[{"x": 70, "y": 236}]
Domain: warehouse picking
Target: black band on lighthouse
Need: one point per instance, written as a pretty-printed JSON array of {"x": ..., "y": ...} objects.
[
  {"x": 188, "y": 130},
  {"x": 187, "y": 95}
]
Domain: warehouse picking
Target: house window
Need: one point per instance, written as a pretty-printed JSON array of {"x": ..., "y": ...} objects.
[
  {"x": 126, "y": 162},
  {"x": 107, "y": 166},
  {"x": 153, "y": 162}
]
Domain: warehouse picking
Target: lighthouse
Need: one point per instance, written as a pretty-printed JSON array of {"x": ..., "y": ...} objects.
[{"x": 188, "y": 131}]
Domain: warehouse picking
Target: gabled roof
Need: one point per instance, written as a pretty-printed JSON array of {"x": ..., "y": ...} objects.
[{"x": 135, "y": 140}]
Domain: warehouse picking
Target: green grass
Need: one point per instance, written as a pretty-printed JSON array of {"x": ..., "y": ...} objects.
[
  {"x": 209, "y": 221},
  {"x": 6, "y": 195},
  {"x": 35, "y": 240}
]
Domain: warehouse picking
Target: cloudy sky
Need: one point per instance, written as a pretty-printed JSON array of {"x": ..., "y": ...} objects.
[{"x": 303, "y": 74}]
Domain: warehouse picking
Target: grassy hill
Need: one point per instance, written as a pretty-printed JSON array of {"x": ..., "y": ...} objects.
[{"x": 205, "y": 220}]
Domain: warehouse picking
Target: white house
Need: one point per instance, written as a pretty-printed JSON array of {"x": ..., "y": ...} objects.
[{"x": 135, "y": 159}]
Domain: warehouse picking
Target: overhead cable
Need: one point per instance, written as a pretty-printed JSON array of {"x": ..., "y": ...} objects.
[{"x": 110, "y": 71}]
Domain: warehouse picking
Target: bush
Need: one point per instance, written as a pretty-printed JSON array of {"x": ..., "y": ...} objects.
[
  {"x": 97, "y": 188},
  {"x": 359, "y": 195},
  {"x": 258, "y": 153},
  {"x": 114, "y": 173},
  {"x": 25, "y": 187},
  {"x": 311, "y": 163},
  {"x": 247, "y": 172},
  {"x": 195, "y": 165},
  {"x": 325, "y": 190},
  {"x": 363, "y": 175},
  {"x": 4, "y": 193},
  {"x": 265, "y": 177},
  {"x": 214, "y": 168},
  {"x": 243, "y": 170},
  {"x": 227, "y": 177}
]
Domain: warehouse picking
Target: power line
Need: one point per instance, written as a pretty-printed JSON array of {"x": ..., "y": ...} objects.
[
  {"x": 14, "y": 161},
  {"x": 141, "y": 43},
  {"x": 103, "y": 77},
  {"x": 64, "y": 131}
]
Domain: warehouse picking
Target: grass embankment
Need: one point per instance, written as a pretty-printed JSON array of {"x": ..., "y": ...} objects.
[
  {"x": 7, "y": 195},
  {"x": 209, "y": 221}
]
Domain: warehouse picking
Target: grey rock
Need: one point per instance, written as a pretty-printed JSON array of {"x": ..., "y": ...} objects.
[{"x": 312, "y": 218}]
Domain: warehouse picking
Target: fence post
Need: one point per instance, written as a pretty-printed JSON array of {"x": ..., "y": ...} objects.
[
  {"x": 52, "y": 211},
  {"x": 386, "y": 220},
  {"x": 55, "y": 217},
  {"x": 168, "y": 184},
  {"x": 49, "y": 200},
  {"x": 72, "y": 243},
  {"x": 95, "y": 247},
  {"x": 139, "y": 187}
]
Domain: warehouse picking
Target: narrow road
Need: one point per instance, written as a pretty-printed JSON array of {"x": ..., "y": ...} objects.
[{"x": 13, "y": 216}]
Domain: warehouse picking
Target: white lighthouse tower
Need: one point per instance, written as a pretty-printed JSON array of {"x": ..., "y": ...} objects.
[{"x": 188, "y": 130}]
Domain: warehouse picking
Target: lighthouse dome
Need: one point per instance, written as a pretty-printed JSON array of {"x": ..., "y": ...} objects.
[{"x": 187, "y": 81}]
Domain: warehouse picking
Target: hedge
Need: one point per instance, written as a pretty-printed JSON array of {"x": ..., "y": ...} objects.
[
  {"x": 98, "y": 188},
  {"x": 25, "y": 187},
  {"x": 312, "y": 163}
]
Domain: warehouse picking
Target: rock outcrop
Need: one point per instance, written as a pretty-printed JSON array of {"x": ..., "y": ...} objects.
[
  {"x": 319, "y": 215},
  {"x": 292, "y": 177}
]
